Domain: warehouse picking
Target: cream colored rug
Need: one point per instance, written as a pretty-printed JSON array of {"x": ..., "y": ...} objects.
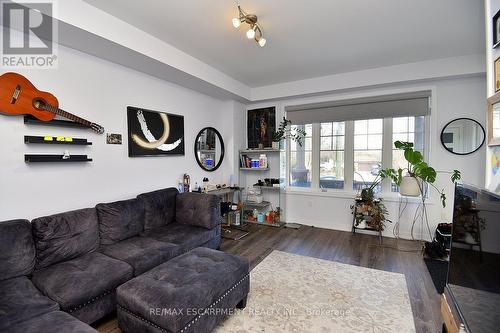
[{"x": 293, "y": 293}]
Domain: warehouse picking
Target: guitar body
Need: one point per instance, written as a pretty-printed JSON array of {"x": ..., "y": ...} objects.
[{"x": 18, "y": 96}]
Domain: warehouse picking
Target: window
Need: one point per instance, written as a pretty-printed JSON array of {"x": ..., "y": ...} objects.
[
  {"x": 301, "y": 158},
  {"x": 407, "y": 129},
  {"x": 349, "y": 154},
  {"x": 368, "y": 142},
  {"x": 331, "y": 172}
]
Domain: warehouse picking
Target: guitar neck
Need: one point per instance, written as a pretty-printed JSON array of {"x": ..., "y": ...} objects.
[{"x": 67, "y": 115}]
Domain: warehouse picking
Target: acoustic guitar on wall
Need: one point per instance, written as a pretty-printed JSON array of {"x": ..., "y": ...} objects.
[{"x": 18, "y": 96}]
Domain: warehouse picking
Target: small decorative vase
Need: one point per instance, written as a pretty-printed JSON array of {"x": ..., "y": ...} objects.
[{"x": 410, "y": 187}]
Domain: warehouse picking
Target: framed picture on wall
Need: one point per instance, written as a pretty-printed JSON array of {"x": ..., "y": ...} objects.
[
  {"x": 496, "y": 30},
  {"x": 152, "y": 133},
  {"x": 261, "y": 125},
  {"x": 494, "y": 120},
  {"x": 497, "y": 74}
]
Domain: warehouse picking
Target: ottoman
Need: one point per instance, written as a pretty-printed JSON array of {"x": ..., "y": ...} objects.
[{"x": 190, "y": 293}]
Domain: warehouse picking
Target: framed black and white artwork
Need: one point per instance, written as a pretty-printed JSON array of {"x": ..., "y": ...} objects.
[{"x": 153, "y": 133}]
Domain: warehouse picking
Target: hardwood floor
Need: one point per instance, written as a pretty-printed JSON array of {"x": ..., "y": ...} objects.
[{"x": 344, "y": 247}]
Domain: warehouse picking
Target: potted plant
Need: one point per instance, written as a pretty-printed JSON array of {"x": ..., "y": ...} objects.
[
  {"x": 285, "y": 131},
  {"x": 370, "y": 211},
  {"x": 413, "y": 179}
]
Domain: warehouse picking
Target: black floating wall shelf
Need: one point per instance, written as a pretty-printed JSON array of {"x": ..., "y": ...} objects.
[
  {"x": 56, "y": 158},
  {"x": 56, "y": 122},
  {"x": 40, "y": 139}
]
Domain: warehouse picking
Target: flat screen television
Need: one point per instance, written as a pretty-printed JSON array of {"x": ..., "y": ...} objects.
[{"x": 474, "y": 268}]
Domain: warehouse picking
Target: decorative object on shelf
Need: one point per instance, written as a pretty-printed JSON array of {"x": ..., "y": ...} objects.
[
  {"x": 113, "y": 139},
  {"x": 186, "y": 181},
  {"x": 255, "y": 30},
  {"x": 18, "y": 96},
  {"x": 463, "y": 136},
  {"x": 205, "y": 185},
  {"x": 66, "y": 155},
  {"x": 261, "y": 124},
  {"x": 285, "y": 131},
  {"x": 424, "y": 175},
  {"x": 153, "y": 133},
  {"x": 48, "y": 139},
  {"x": 496, "y": 30},
  {"x": 209, "y": 149}
]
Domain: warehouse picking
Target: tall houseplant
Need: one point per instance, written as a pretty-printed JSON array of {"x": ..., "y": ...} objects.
[{"x": 418, "y": 172}]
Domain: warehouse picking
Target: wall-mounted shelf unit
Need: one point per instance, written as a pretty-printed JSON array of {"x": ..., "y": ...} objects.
[
  {"x": 258, "y": 151},
  {"x": 35, "y": 158},
  {"x": 30, "y": 120},
  {"x": 254, "y": 169},
  {"x": 28, "y": 139},
  {"x": 273, "y": 197}
]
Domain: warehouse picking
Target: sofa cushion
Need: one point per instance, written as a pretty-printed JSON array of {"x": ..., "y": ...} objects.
[
  {"x": 202, "y": 210},
  {"x": 120, "y": 220},
  {"x": 17, "y": 250},
  {"x": 72, "y": 283},
  {"x": 20, "y": 301},
  {"x": 65, "y": 236},
  {"x": 159, "y": 206},
  {"x": 142, "y": 253},
  {"x": 186, "y": 237},
  {"x": 56, "y": 321}
]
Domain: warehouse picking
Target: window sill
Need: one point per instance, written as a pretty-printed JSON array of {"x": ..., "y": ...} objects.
[{"x": 345, "y": 194}]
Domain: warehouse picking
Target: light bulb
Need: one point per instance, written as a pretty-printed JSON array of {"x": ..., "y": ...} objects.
[
  {"x": 262, "y": 41},
  {"x": 236, "y": 22},
  {"x": 251, "y": 33}
]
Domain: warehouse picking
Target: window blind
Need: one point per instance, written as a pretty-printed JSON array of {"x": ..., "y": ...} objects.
[{"x": 387, "y": 106}]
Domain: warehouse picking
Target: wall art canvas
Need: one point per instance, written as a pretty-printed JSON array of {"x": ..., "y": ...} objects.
[
  {"x": 152, "y": 133},
  {"x": 261, "y": 125}
]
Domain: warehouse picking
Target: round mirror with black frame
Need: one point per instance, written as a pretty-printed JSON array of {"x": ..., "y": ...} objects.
[
  {"x": 463, "y": 136},
  {"x": 209, "y": 149}
]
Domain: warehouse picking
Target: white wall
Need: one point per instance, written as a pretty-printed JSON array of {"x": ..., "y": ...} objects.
[
  {"x": 452, "y": 98},
  {"x": 100, "y": 91}
]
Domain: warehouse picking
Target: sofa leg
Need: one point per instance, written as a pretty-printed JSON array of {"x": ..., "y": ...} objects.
[{"x": 242, "y": 304}]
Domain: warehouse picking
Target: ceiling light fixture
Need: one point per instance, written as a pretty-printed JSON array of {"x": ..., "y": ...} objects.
[{"x": 255, "y": 31}]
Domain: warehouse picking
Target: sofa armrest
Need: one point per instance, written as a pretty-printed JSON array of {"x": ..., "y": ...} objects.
[{"x": 196, "y": 209}]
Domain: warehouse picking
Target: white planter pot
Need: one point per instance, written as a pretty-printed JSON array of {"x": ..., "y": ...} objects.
[
  {"x": 410, "y": 187},
  {"x": 361, "y": 225}
]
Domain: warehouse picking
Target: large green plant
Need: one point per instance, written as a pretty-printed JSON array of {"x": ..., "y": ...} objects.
[{"x": 418, "y": 169}]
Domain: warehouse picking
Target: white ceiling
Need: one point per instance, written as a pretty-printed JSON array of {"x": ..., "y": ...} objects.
[{"x": 309, "y": 38}]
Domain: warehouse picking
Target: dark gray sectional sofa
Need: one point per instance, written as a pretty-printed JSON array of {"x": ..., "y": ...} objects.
[{"x": 72, "y": 263}]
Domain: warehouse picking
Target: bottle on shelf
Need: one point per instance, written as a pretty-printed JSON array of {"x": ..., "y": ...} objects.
[
  {"x": 263, "y": 161},
  {"x": 187, "y": 183}
]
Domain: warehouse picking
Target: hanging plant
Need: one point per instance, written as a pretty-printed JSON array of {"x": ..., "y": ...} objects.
[{"x": 285, "y": 131}]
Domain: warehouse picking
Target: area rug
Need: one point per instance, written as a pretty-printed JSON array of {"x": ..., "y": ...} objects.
[{"x": 294, "y": 293}]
